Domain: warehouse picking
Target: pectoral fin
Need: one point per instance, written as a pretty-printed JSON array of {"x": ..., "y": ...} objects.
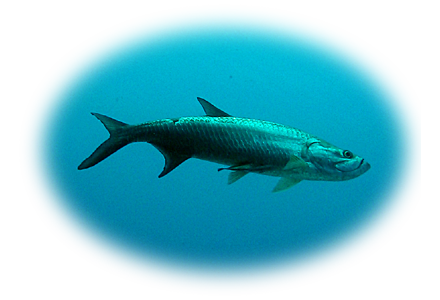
[
  {"x": 285, "y": 183},
  {"x": 295, "y": 163}
]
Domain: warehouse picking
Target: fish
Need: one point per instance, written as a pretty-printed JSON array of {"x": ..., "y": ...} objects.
[{"x": 243, "y": 145}]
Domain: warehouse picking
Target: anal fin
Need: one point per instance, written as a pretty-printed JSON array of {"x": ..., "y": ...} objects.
[{"x": 172, "y": 161}]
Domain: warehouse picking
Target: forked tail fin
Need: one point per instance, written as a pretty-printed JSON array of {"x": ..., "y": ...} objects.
[{"x": 116, "y": 141}]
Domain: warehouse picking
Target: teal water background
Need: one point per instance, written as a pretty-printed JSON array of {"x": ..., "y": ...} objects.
[{"x": 191, "y": 216}]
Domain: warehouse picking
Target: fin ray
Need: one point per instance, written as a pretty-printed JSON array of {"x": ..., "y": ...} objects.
[
  {"x": 211, "y": 110},
  {"x": 295, "y": 163},
  {"x": 247, "y": 168},
  {"x": 108, "y": 147},
  {"x": 172, "y": 160},
  {"x": 236, "y": 175},
  {"x": 285, "y": 183},
  {"x": 109, "y": 123}
]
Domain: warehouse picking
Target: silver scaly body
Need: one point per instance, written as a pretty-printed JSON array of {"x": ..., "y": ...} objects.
[{"x": 245, "y": 145}]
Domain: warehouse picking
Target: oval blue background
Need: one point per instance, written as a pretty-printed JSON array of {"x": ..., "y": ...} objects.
[{"x": 192, "y": 216}]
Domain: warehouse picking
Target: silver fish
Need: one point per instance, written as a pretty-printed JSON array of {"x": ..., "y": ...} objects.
[{"x": 244, "y": 145}]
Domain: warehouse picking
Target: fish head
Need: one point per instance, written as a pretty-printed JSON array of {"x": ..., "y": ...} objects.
[{"x": 333, "y": 163}]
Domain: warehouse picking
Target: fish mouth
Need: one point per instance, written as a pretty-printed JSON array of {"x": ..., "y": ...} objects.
[
  {"x": 361, "y": 164},
  {"x": 366, "y": 165}
]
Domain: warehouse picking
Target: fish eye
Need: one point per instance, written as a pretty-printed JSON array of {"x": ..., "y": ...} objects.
[{"x": 347, "y": 154}]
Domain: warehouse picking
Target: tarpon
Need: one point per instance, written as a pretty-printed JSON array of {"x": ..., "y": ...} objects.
[{"x": 244, "y": 145}]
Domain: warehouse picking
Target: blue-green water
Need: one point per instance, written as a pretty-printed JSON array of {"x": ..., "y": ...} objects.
[{"x": 191, "y": 216}]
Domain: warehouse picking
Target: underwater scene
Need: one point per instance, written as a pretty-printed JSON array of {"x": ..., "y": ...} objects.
[{"x": 192, "y": 216}]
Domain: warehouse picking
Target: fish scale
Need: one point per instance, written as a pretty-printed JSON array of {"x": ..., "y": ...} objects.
[
  {"x": 245, "y": 145},
  {"x": 243, "y": 140}
]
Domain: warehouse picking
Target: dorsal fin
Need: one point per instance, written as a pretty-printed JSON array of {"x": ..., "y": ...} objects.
[{"x": 211, "y": 110}]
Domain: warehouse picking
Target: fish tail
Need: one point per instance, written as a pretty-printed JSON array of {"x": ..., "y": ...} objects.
[{"x": 116, "y": 141}]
